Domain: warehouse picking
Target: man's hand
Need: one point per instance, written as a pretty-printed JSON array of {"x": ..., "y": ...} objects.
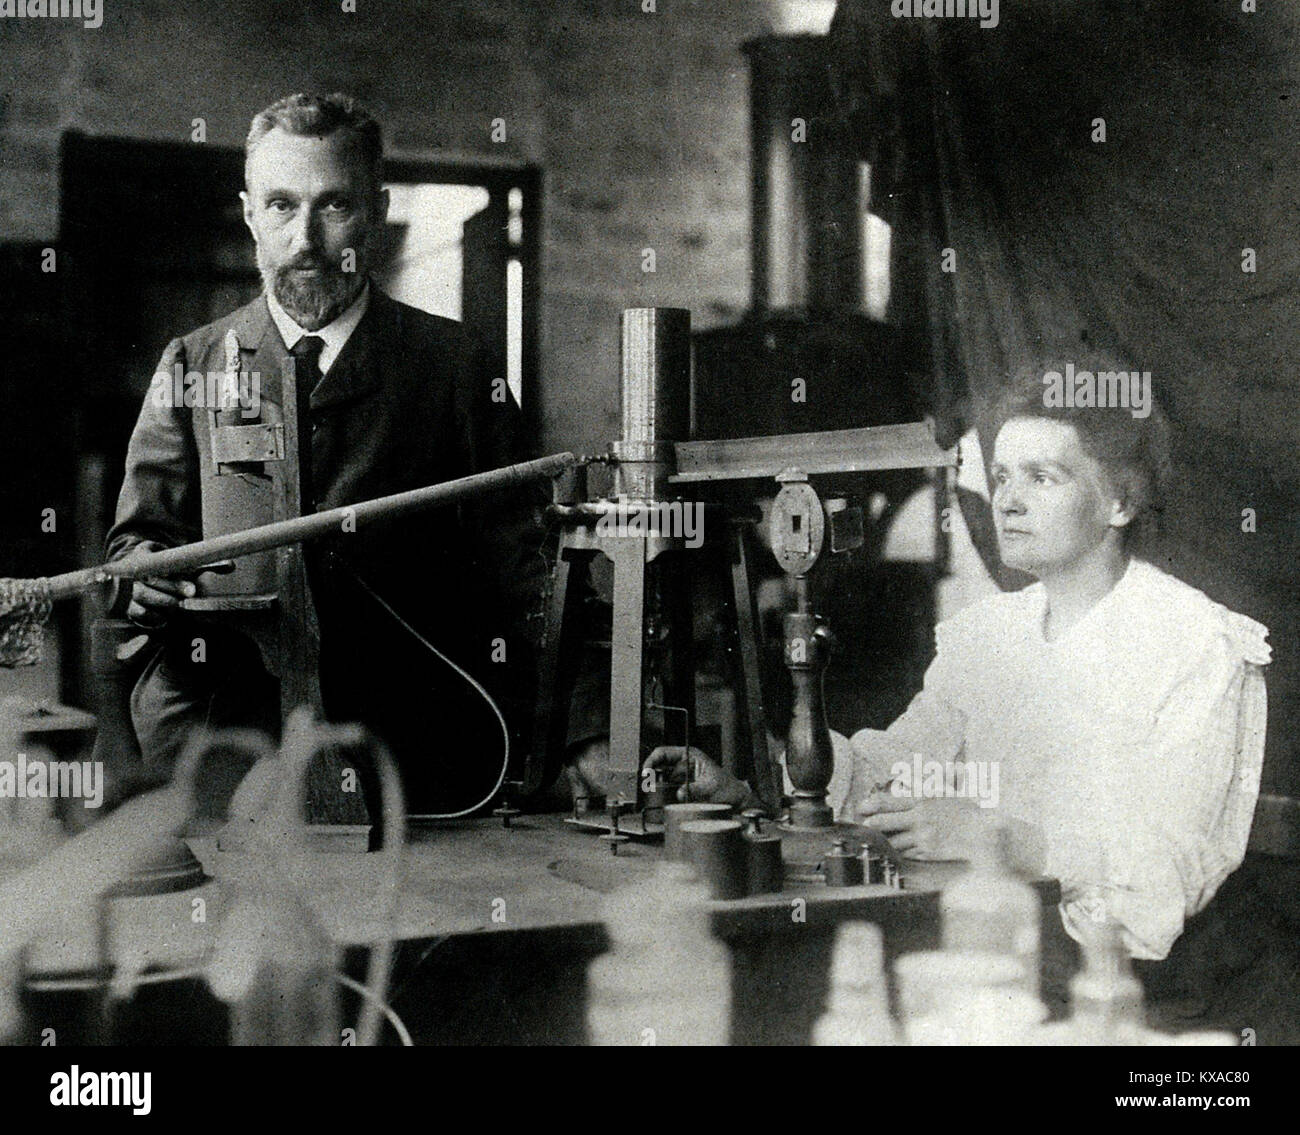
[
  {"x": 154, "y": 598},
  {"x": 705, "y": 778},
  {"x": 941, "y": 828},
  {"x": 586, "y": 767}
]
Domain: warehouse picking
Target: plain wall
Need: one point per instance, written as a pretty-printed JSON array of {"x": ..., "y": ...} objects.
[{"x": 638, "y": 120}]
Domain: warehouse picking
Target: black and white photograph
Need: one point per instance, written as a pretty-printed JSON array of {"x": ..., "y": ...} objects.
[{"x": 649, "y": 523}]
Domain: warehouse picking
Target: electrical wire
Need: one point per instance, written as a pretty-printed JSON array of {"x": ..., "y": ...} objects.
[
  {"x": 93, "y": 984},
  {"x": 298, "y": 752},
  {"x": 474, "y": 682},
  {"x": 90, "y": 984},
  {"x": 381, "y": 953},
  {"x": 395, "y": 992},
  {"x": 380, "y": 967},
  {"x": 304, "y": 738},
  {"x": 383, "y": 1006}
]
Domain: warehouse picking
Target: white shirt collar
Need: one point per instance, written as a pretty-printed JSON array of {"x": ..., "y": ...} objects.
[{"x": 335, "y": 334}]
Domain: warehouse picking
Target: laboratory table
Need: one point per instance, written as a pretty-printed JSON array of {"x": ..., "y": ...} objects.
[{"x": 495, "y": 928}]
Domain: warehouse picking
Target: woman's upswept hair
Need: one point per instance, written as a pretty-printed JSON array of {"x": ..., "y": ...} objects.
[{"x": 1134, "y": 451}]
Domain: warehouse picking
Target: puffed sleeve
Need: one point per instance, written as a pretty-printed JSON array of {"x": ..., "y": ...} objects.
[{"x": 1175, "y": 803}]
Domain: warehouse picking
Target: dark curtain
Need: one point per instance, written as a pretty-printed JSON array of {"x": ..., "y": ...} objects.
[{"x": 982, "y": 141}]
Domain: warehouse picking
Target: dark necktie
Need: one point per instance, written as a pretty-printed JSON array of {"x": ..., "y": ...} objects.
[{"x": 306, "y": 354}]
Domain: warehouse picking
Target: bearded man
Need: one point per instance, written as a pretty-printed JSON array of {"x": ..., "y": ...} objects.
[{"x": 396, "y": 401}]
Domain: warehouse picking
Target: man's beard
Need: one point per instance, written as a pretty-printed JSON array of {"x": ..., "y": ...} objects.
[{"x": 312, "y": 302}]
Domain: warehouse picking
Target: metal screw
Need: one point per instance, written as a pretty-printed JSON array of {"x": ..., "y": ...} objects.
[
  {"x": 506, "y": 811},
  {"x": 614, "y": 836}
]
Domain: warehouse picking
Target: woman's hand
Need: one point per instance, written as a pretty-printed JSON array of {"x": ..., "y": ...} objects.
[{"x": 922, "y": 828}]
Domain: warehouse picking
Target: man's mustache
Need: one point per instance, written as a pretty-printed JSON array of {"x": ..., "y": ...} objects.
[{"x": 321, "y": 262}]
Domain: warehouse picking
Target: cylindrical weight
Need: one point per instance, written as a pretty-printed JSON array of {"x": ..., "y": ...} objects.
[
  {"x": 766, "y": 871},
  {"x": 717, "y": 851},
  {"x": 842, "y": 868},
  {"x": 677, "y": 814}
]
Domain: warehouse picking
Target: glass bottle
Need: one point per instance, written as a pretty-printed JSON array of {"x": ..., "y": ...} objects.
[
  {"x": 1106, "y": 996},
  {"x": 857, "y": 1006},
  {"x": 990, "y": 911},
  {"x": 666, "y": 979}
]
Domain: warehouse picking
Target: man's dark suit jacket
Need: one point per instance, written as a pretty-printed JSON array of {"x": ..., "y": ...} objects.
[{"x": 404, "y": 405}]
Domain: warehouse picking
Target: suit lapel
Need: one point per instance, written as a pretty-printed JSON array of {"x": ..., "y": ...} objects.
[
  {"x": 261, "y": 348},
  {"x": 355, "y": 372}
]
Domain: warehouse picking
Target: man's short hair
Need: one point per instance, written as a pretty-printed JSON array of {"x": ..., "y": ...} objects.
[
  {"x": 1135, "y": 452},
  {"x": 318, "y": 116}
]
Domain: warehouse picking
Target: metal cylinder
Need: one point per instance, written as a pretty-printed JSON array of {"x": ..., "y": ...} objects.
[
  {"x": 765, "y": 870},
  {"x": 842, "y": 866},
  {"x": 656, "y": 398},
  {"x": 716, "y": 849},
  {"x": 677, "y": 814}
]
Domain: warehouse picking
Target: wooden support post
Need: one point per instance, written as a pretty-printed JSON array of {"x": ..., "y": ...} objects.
[{"x": 627, "y": 700}]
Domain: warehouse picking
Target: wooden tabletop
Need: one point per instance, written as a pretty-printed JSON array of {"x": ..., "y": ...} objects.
[{"x": 457, "y": 878}]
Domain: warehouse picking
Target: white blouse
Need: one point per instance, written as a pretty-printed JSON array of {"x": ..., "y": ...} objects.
[{"x": 1133, "y": 742}]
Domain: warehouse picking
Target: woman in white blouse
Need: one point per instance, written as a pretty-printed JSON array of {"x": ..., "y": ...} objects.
[{"x": 1118, "y": 712}]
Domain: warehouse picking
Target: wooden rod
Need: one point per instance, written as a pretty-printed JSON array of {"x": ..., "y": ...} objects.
[{"x": 188, "y": 558}]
